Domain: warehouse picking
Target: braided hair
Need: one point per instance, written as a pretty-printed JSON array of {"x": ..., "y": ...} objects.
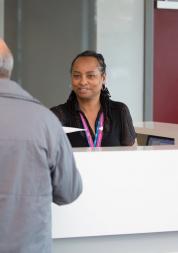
[{"x": 104, "y": 95}]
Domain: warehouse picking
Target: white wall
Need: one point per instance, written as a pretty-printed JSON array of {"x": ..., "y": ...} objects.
[
  {"x": 120, "y": 37},
  {"x": 1, "y": 18}
]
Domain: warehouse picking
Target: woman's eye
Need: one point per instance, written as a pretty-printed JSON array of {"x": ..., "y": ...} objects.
[
  {"x": 76, "y": 76},
  {"x": 91, "y": 76}
]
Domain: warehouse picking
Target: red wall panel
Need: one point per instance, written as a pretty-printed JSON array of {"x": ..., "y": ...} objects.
[{"x": 165, "y": 91}]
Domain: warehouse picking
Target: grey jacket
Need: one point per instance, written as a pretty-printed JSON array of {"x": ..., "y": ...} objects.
[{"x": 36, "y": 167}]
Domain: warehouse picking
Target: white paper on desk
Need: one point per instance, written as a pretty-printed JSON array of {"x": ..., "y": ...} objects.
[{"x": 72, "y": 129}]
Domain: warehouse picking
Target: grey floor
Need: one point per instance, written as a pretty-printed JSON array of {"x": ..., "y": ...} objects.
[{"x": 141, "y": 243}]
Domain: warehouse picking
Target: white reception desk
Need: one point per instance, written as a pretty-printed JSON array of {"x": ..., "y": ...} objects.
[{"x": 125, "y": 191}]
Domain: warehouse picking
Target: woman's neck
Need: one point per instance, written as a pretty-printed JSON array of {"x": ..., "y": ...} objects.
[{"x": 88, "y": 106}]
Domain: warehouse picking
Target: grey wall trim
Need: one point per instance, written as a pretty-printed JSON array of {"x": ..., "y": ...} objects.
[
  {"x": 85, "y": 21},
  {"x": 19, "y": 42},
  {"x": 1, "y": 18},
  {"x": 10, "y": 31},
  {"x": 88, "y": 24},
  {"x": 148, "y": 61}
]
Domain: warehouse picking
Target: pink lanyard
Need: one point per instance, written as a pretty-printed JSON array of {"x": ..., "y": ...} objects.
[{"x": 99, "y": 131}]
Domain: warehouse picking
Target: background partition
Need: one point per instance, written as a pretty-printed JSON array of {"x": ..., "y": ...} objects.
[{"x": 46, "y": 35}]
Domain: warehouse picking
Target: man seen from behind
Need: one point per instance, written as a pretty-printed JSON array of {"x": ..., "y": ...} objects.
[{"x": 36, "y": 166}]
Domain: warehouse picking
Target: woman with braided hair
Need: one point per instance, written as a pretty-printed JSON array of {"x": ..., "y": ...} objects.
[{"x": 107, "y": 123}]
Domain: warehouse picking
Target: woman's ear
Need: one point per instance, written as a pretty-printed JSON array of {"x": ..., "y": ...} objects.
[{"x": 104, "y": 79}]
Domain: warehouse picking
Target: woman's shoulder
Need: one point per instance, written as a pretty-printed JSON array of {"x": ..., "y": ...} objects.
[
  {"x": 59, "y": 107},
  {"x": 61, "y": 111},
  {"x": 118, "y": 105}
]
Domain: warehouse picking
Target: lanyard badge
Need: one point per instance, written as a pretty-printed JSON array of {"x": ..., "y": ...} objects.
[{"x": 99, "y": 131}]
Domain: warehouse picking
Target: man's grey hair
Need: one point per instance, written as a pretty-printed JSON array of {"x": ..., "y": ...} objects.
[{"x": 6, "y": 60}]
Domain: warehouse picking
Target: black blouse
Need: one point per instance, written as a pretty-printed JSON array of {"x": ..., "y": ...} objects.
[{"x": 118, "y": 130}]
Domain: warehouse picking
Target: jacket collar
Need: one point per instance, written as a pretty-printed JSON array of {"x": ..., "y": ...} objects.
[{"x": 11, "y": 89}]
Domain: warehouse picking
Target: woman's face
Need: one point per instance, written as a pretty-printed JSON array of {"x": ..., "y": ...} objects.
[{"x": 86, "y": 77}]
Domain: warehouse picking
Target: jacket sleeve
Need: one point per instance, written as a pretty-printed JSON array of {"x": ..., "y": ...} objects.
[{"x": 66, "y": 179}]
